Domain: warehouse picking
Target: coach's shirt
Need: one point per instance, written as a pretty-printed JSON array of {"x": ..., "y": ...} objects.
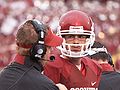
[{"x": 19, "y": 76}]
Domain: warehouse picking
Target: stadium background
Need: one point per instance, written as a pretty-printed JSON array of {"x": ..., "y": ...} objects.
[{"x": 105, "y": 14}]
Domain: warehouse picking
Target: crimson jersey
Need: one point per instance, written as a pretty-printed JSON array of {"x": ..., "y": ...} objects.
[{"x": 63, "y": 71}]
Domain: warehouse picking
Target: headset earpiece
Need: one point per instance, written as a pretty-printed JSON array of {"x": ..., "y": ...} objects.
[{"x": 38, "y": 50}]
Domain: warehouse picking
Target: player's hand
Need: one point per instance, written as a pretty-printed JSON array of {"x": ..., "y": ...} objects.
[{"x": 61, "y": 86}]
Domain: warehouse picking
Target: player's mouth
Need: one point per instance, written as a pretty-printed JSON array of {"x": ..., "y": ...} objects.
[{"x": 76, "y": 48}]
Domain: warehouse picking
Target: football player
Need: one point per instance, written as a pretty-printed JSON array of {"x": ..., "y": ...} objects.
[
  {"x": 71, "y": 66},
  {"x": 110, "y": 79}
]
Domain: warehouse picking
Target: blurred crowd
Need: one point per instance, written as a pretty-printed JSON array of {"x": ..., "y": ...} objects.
[{"x": 105, "y": 14}]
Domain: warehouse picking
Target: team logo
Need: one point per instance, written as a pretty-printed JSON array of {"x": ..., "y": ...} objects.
[{"x": 93, "y": 83}]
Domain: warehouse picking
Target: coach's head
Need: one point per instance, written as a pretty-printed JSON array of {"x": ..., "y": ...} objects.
[{"x": 34, "y": 39}]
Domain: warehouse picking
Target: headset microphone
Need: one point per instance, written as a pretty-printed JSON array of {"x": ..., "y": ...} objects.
[{"x": 52, "y": 58}]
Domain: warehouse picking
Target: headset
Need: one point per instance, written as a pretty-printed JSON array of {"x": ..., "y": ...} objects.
[{"x": 38, "y": 50}]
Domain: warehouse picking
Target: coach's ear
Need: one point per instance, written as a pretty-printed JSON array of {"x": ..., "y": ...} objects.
[{"x": 61, "y": 86}]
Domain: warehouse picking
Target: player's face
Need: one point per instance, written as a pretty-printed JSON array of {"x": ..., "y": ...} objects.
[{"x": 75, "y": 39}]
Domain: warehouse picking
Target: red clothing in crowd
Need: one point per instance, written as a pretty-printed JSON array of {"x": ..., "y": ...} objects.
[{"x": 106, "y": 67}]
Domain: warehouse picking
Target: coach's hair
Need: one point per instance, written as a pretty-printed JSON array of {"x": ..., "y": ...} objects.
[{"x": 26, "y": 36}]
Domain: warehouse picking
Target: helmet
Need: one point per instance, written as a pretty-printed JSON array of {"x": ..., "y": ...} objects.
[{"x": 75, "y": 22}]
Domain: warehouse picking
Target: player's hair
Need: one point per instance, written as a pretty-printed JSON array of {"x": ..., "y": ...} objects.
[{"x": 101, "y": 54}]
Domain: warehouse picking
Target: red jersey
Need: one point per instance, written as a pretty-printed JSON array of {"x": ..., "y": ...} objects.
[{"x": 63, "y": 71}]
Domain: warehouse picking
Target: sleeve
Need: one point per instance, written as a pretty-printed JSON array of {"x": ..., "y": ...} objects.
[
  {"x": 104, "y": 85},
  {"x": 46, "y": 84},
  {"x": 48, "y": 87},
  {"x": 53, "y": 73},
  {"x": 38, "y": 82}
]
